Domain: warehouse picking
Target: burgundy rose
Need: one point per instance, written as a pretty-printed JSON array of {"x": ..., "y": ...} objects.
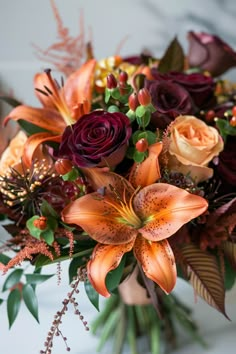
[
  {"x": 210, "y": 53},
  {"x": 170, "y": 101},
  {"x": 96, "y": 139},
  {"x": 226, "y": 166},
  {"x": 200, "y": 87}
]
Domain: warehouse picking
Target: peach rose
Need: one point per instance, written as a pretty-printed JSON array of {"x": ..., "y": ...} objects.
[
  {"x": 193, "y": 144},
  {"x": 13, "y": 153}
]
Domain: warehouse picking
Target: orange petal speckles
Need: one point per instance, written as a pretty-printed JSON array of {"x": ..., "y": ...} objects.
[
  {"x": 99, "y": 219},
  {"x": 139, "y": 176},
  {"x": 157, "y": 261},
  {"x": 164, "y": 208},
  {"x": 104, "y": 259}
]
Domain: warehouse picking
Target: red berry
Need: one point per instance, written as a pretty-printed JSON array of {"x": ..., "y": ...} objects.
[
  {"x": 234, "y": 111},
  {"x": 133, "y": 101},
  {"x": 142, "y": 145},
  {"x": 123, "y": 77},
  {"x": 210, "y": 115},
  {"x": 232, "y": 121},
  {"x": 144, "y": 97},
  {"x": 111, "y": 82}
]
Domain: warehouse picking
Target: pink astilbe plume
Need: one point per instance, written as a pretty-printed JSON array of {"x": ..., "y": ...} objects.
[{"x": 68, "y": 53}]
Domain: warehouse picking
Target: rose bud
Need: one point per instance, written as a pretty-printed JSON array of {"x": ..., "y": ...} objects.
[
  {"x": 133, "y": 101},
  {"x": 210, "y": 53},
  {"x": 142, "y": 145},
  {"x": 144, "y": 97},
  {"x": 63, "y": 166},
  {"x": 111, "y": 82},
  {"x": 99, "y": 138}
]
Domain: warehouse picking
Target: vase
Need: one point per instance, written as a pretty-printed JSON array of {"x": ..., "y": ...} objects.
[{"x": 131, "y": 292}]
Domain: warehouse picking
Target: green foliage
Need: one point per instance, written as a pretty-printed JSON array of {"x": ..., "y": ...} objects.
[
  {"x": 13, "y": 305},
  {"x": 36, "y": 279},
  {"x": 113, "y": 278},
  {"x": 72, "y": 175},
  {"x": 47, "y": 210},
  {"x": 10, "y": 100},
  {"x": 225, "y": 128},
  {"x": 30, "y": 300},
  {"x": 47, "y": 234},
  {"x": 92, "y": 294},
  {"x": 12, "y": 279}
]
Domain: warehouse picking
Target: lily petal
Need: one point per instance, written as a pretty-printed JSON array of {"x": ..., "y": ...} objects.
[
  {"x": 104, "y": 259},
  {"x": 139, "y": 176},
  {"x": 165, "y": 208},
  {"x": 33, "y": 142},
  {"x": 78, "y": 86},
  {"x": 99, "y": 219},
  {"x": 42, "y": 117},
  {"x": 158, "y": 262}
]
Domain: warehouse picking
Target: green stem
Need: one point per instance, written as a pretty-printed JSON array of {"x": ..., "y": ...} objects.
[
  {"x": 110, "y": 306},
  {"x": 131, "y": 331}
]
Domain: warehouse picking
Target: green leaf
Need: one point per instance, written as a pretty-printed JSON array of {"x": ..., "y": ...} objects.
[
  {"x": 115, "y": 93},
  {"x": 72, "y": 175},
  {"x": 225, "y": 128},
  {"x": 140, "y": 111},
  {"x": 107, "y": 95},
  {"x": 144, "y": 120},
  {"x": 10, "y": 100},
  {"x": 173, "y": 58},
  {"x": 92, "y": 294},
  {"x": 4, "y": 259},
  {"x": 12, "y": 279},
  {"x": 139, "y": 156},
  {"x": 48, "y": 236},
  {"x": 74, "y": 265},
  {"x": 47, "y": 210},
  {"x": 230, "y": 275},
  {"x": 37, "y": 278},
  {"x": 113, "y": 108},
  {"x": 34, "y": 231},
  {"x": 30, "y": 300},
  {"x": 205, "y": 276},
  {"x": 113, "y": 278},
  {"x": 30, "y": 128},
  {"x": 1, "y": 301},
  {"x": 13, "y": 305}
]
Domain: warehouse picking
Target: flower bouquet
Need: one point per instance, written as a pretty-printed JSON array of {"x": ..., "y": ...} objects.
[{"x": 128, "y": 170}]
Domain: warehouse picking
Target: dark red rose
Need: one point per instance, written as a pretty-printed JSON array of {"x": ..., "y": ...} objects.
[
  {"x": 170, "y": 100},
  {"x": 210, "y": 53},
  {"x": 96, "y": 139},
  {"x": 226, "y": 166},
  {"x": 200, "y": 87}
]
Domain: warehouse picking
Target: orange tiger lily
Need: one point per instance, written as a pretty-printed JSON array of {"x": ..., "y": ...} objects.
[
  {"x": 62, "y": 106},
  {"x": 121, "y": 218}
]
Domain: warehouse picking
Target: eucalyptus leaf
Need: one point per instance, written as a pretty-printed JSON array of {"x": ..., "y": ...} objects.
[
  {"x": 13, "y": 305},
  {"x": 30, "y": 300}
]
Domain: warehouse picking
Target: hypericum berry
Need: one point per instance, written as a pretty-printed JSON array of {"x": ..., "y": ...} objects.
[
  {"x": 40, "y": 223},
  {"x": 142, "y": 145},
  {"x": 232, "y": 121},
  {"x": 133, "y": 101},
  {"x": 144, "y": 97},
  {"x": 234, "y": 111},
  {"x": 63, "y": 166},
  {"x": 123, "y": 77},
  {"x": 111, "y": 82},
  {"x": 209, "y": 116}
]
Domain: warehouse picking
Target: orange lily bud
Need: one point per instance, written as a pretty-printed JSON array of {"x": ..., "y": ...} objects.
[{"x": 144, "y": 97}]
